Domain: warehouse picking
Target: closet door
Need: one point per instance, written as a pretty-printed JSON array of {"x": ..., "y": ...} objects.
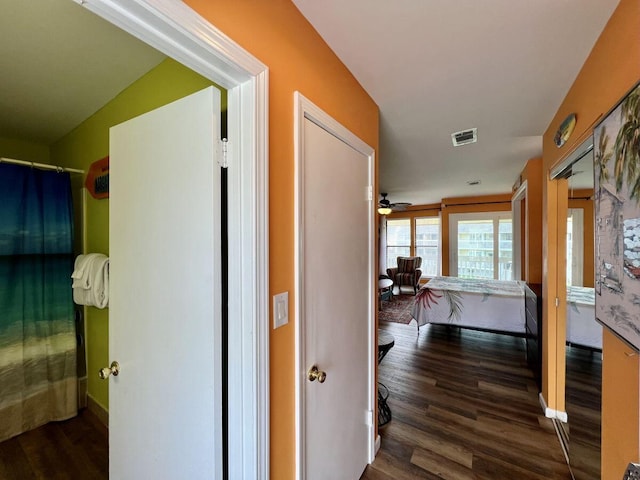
[{"x": 164, "y": 312}]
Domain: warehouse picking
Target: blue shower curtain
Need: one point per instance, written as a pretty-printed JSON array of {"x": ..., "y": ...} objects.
[{"x": 38, "y": 380}]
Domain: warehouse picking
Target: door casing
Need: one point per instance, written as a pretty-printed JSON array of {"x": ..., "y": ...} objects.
[{"x": 182, "y": 34}]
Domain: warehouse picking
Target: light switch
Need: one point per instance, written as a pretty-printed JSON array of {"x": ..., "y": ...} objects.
[{"x": 280, "y": 309}]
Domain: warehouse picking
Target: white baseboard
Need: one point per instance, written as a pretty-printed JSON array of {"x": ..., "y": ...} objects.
[
  {"x": 550, "y": 412},
  {"x": 543, "y": 404},
  {"x": 98, "y": 410}
]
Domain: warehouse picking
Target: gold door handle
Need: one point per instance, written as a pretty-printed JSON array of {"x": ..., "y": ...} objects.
[
  {"x": 315, "y": 374},
  {"x": 114, "y": 370}
]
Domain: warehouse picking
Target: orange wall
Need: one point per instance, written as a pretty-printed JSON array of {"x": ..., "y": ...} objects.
[
  {"x": 611, "y": 69},
  {"x": 277, "y": 34},
  {"x": 532, "y": 173},
  {"x": 619, "y": 407}
]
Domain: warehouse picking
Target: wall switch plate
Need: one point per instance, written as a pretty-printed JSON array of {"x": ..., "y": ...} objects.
[{"x": 280, "y": 309}]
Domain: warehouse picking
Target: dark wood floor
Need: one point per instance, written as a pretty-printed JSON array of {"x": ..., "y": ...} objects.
[
  {"x": 465, "y": 406},
  {"x": 74, "y": 449}
]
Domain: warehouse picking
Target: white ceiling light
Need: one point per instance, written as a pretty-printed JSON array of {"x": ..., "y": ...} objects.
[{"x": 463, "y": 137}]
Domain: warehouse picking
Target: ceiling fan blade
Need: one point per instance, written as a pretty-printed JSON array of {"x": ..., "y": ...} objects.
[{"x": 400, "y": 206}]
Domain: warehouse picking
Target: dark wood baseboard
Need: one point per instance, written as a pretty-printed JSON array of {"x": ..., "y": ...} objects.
[{"x": 101, "y": 413}]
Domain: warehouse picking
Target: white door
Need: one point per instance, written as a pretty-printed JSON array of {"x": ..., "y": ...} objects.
[
  {"x": 335, "y": 306},
  {"x": 164, "y": 309}
]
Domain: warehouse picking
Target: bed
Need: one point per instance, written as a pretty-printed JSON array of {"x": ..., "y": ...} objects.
[
  {"x": 582, "y": 327},
  {"x": 495, "y": 305}
]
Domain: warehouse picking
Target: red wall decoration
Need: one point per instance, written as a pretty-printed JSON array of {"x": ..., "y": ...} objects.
[{"x": 97, "y": 181}]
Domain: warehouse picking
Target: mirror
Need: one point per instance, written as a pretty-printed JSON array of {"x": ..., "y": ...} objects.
[
  {"x": 583, "y": 351},
  {"x": 584, "y": 333}
]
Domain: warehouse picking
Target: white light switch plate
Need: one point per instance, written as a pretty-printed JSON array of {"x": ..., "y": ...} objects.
[{"x": 280, "y": 309}]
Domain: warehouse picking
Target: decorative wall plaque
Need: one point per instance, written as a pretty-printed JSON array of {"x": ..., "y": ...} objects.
[{"x": 97, "y": 181}]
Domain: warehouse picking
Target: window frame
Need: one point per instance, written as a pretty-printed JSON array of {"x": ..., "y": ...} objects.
[{"x": 410, "y": 245}]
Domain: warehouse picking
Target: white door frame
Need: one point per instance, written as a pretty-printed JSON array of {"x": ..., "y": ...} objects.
[
  {"x": 176, "y": 30},
  {"x": 305, "y": 109}
]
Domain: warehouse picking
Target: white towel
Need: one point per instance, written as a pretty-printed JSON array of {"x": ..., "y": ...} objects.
[{"x": 91, "y": 280}]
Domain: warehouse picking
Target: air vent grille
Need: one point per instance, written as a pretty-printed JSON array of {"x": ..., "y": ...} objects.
[{"x": 464, "y": 137}]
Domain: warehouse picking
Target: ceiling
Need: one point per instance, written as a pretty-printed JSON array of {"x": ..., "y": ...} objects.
[
  {"x": 61, "y": 64},
  {"x": 435, "y": 67}
]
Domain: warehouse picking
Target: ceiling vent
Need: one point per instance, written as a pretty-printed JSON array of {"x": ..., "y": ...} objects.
[{"x": 464, "y": 137}]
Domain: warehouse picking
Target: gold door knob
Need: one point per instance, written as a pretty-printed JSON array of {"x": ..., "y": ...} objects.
[
  {"x": 114, "y": 370},
  {"x": 315, "y": 374}
]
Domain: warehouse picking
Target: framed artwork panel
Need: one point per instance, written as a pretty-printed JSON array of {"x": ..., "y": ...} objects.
[{"x": 616, "y": 141}]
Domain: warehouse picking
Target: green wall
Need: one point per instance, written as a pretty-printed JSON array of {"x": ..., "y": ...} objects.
[
  {"x": 24, "y": 150},
  {"x": 89, "y": 142}
]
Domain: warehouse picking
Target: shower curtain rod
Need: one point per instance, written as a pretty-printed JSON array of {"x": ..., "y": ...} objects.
[{"x": 40, "y": 165}]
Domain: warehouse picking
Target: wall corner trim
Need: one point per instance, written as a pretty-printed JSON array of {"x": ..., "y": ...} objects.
[{"x": 550, "y": 412}]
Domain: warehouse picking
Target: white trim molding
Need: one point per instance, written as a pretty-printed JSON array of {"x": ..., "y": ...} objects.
[
  {"x": 519, "y": 270},
  {"x": 181, "y": 33},
  {"x": 550, "y": 412}
]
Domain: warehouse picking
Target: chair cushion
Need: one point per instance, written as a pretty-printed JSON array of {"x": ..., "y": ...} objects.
[
  {"x": 406, "y": 279},
  {"x": 408, "y": 264}
]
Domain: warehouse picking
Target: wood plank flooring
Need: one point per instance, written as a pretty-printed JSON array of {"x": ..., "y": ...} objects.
[
  {"x": 464, "y": 406},
  {"x": 69, "y": 450}
]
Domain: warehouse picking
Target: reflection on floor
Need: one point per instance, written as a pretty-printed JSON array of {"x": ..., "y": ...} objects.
[{"x": 583, "y": 403}]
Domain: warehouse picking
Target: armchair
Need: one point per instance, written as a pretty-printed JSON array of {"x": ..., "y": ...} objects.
[{"x": 407, "y": 273}]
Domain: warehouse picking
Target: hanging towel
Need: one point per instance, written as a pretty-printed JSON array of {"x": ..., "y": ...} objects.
[{"x": 91, "y": 280}]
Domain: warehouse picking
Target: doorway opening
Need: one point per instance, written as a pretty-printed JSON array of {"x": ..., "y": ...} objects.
[{"x": 196, "y": 44}]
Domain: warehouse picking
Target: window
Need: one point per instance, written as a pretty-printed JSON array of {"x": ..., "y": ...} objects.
[
  {"x": 398, "y": 240},
  {"x": 427, "y": 245},
  {"x": 421, "y": 239},
  {"x": 481, "y": 245}
]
